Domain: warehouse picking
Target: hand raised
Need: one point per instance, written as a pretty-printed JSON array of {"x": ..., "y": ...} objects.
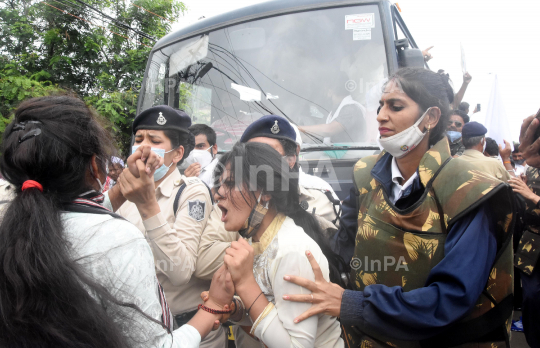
[
  {"x": 529, "y": 145},
  {"x": 194, "y": 170},
  {"x": 325, "y": 296},
  {"x": 151, "y": 160},
  {"x": 239, "y": 261},
  {"x": 222, "y": 288}
]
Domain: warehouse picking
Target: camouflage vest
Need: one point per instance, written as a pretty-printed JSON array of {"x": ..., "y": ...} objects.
[
  {"x": 400, "y": 247},
  {"x": 528, "y": 250}
]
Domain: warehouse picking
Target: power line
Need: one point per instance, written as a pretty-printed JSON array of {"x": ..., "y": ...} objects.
[
  {"x": 80, "y": 8},
  {"x": 142, "y": 8},
  {"x": 117, "y": 21},
  {"x": 82, "y": 19}
]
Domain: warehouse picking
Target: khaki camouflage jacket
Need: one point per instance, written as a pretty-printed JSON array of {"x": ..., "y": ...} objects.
[{"x": 416, "y": 236}]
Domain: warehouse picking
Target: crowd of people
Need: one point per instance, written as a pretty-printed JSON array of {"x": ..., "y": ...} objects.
[{"x": 101, "y": 252}]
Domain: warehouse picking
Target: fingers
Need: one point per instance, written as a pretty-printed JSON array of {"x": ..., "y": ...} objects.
[
  {"x": 227, "y": 259},
  {"x": 141, "y": 167},
  {"x": 145, "y": 152},
  {"x": 305, "y": 283},
  {"x": 216, "y": 325},
  {"x": 427, "y": 49},
  {"x": 315, "y": 266},
  {"x": 524, "y": 126},
  {"x": 204, "y": 296},
  {"x": 528, "y": 139},
  {"x": 154, "y": 162},
  {"x": 313, "y": 310},
  {"x": 299, "y": 298}
]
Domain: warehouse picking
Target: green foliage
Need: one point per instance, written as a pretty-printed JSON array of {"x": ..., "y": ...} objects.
[{"x": 44, "y": 50}]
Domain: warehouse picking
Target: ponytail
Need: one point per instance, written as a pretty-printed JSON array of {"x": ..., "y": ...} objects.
[
  {"x": 47, "y": 299},
  {"x": 43, "y": 297}
]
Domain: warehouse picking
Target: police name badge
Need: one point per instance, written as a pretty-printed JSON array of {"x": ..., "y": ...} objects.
[{"x": 196, "y": 210}]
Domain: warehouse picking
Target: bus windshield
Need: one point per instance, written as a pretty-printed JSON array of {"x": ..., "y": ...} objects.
[{"x": 323, "y": 70}]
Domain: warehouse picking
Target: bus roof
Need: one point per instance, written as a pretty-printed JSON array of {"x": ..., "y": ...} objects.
[{"x": 249, "y": 13}]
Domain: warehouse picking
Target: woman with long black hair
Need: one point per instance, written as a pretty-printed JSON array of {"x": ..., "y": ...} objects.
[
  {"x": 73, "y": 273},
  {"x": 259, "y": 198}
]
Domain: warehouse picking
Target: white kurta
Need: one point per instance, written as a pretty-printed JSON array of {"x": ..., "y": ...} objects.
[
  {"x": 281, "y": 252},
  {"x": 116, "y": 254}
]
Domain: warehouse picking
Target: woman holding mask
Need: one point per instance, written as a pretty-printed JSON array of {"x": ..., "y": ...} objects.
[
  {"x": 432, "y": 262},
  {"x": 173, "y": 235},
  {"x": 74, "y": 274},
  {"x": 264, "y": 207}
]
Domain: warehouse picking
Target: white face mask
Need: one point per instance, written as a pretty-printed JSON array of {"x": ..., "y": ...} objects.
[
  {"x": 203, "y": 157},
  {"x": 485, "y": 144},
  {"x": 404, "y": 142}
]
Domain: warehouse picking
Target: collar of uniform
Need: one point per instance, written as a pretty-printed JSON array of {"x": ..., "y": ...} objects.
[
  {"x": 474, "y": 153},
  {"x": 430, "y": 162},
  {"x": 268, "y": 235},
  {"x": 166, "y": 187}
]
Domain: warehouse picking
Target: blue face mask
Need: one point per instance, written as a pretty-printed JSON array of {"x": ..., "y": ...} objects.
[
  {"x": 453, "y": 135},
  {"x": 161, "y": 171}
]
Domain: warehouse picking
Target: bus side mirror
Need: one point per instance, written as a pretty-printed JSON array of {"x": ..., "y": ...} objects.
[{"x": 409, "y": 57}]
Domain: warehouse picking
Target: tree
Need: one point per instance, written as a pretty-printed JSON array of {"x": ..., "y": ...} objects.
[{"x": 95, "y": 48}]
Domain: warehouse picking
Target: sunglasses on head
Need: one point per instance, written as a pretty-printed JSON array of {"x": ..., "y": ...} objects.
[{"x": 457, "y": 123}]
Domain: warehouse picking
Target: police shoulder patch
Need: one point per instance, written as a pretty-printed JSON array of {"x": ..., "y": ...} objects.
[{"x": 196, "y": 210}]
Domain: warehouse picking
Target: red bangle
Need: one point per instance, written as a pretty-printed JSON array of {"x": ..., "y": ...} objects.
[{"x": 213, "y": 311}]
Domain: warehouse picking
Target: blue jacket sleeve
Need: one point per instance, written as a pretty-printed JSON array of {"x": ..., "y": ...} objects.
[
  {"x": 343, "y": 242},
  {"x": 451, "y": 290}
]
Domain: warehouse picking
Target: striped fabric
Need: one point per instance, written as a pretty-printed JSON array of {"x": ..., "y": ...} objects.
[{"x": 166, "y": 314}]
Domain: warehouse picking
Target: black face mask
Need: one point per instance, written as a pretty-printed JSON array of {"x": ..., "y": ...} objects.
[{"x": 519, "y": 162}]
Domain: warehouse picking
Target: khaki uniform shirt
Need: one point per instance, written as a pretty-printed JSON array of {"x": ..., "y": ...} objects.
[
  {"x": 214, "y": 241},
  {"x": 488, "y": 165},
  {"x": 175, "y": 240}
]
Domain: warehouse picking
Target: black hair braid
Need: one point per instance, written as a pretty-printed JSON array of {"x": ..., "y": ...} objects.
[{"x": 47, "y": 298}]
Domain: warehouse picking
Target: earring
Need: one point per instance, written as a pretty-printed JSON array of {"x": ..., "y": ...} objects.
[{"x": 428, "y": 128}]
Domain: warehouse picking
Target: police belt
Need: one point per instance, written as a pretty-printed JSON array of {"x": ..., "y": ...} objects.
[{"x": 183, "y": 318}]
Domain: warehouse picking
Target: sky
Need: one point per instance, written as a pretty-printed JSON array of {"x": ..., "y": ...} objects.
[{"x": 499, "y": 38}]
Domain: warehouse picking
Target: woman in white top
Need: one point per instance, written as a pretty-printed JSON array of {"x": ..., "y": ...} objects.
[
  {"x": 259, "y": 198},
  {"x": 73, "y": 273}
]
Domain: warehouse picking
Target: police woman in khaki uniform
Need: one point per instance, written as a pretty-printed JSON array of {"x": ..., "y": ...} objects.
[
  {"x": 432, "y": 262},
  {"x": 174, "y": 236}
]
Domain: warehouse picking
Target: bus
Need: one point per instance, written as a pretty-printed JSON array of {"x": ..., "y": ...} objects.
[{"x": 321, "y": 64}]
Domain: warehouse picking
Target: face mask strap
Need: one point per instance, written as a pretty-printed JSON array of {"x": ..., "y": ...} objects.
[
  {"x": 422, "y": 117},
  {"x": 97, "y": 179}
]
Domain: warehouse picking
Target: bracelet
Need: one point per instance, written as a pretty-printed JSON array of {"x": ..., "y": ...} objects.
[
  {"x": 507, "y": 162},
  {"x": 235, "y": 306},
  {"x": 254, "y": 302},
  {"x": 213, "y": 311}
]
